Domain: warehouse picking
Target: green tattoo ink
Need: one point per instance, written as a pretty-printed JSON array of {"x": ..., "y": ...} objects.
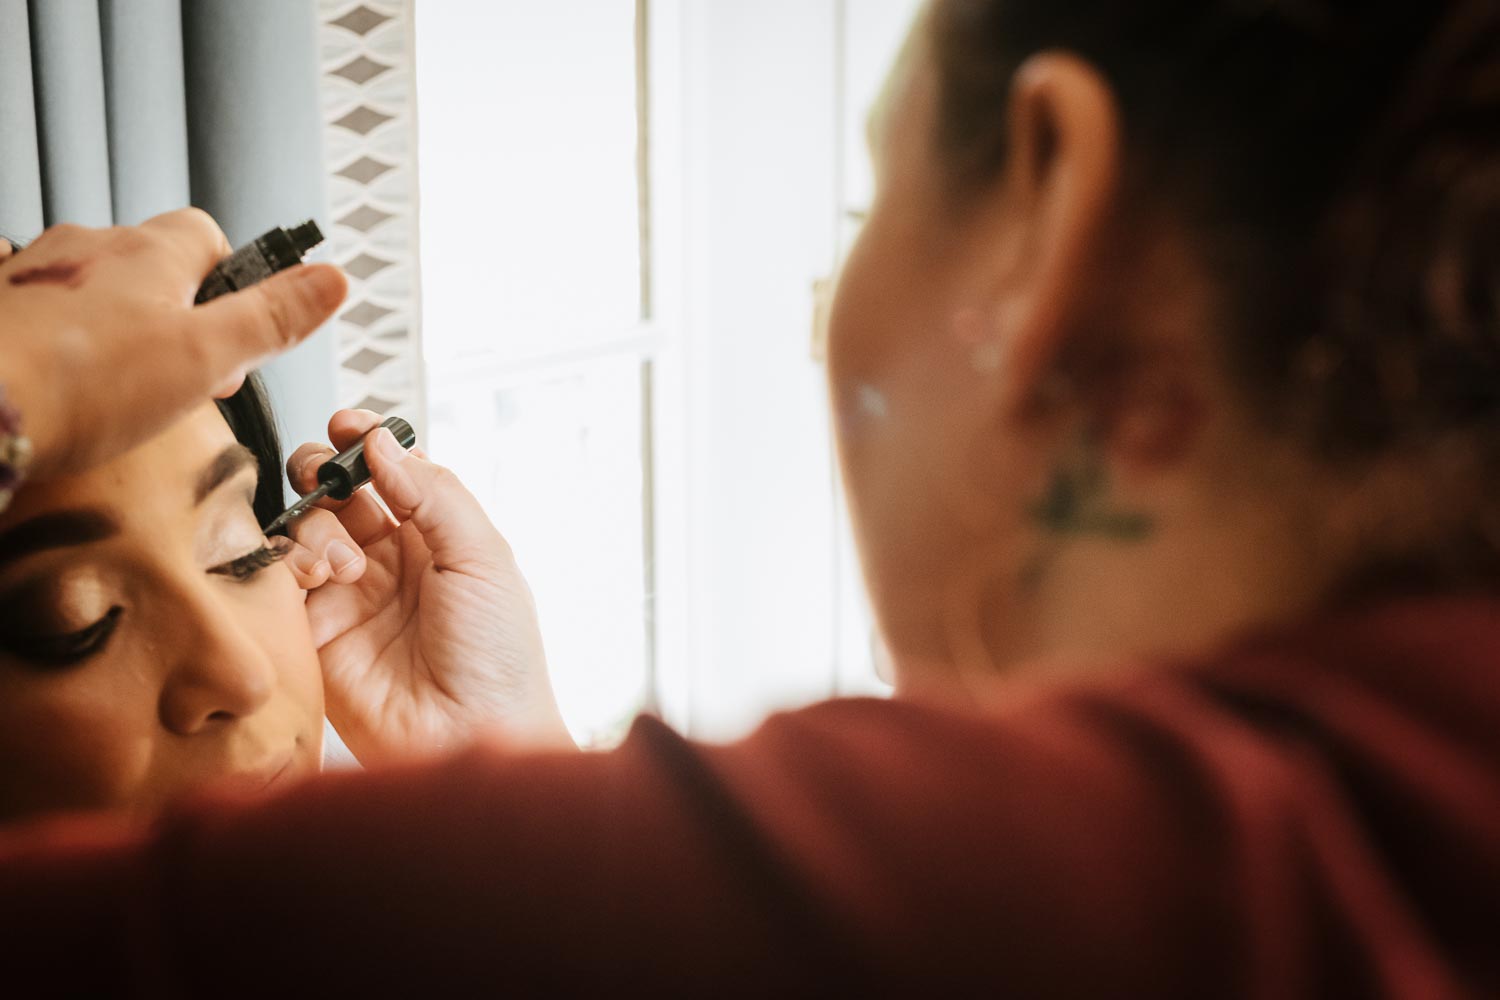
[{"x": 1077, "y": 505}]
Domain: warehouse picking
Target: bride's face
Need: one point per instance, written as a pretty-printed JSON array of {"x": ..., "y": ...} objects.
[{"x": 150, "y": 644}]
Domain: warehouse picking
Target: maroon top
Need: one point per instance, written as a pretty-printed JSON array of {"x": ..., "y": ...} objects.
[{"x": 1313, "y": 814}]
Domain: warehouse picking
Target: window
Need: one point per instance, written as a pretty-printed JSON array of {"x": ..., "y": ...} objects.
[
  {"x": 533, "y": 334},
  {"x": 625, "y": 205}
]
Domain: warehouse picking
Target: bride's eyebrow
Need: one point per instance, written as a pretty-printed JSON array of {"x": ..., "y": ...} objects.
[
  {"x": 224, "y": 467},
  {"x": 56, "y": 530}
]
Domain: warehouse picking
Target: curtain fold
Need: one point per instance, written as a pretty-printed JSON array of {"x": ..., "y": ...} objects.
[
  {"x": 112, "y": 111},
  {"x": 146, "y": 103},
  {"x": 72, "y": 132},
  {"x": 255, "y": 156},
  {"x": 20, "y": 160}
]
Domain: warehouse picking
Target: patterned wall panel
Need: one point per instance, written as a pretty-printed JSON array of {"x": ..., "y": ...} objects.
[{"x": 371, "y": 140}]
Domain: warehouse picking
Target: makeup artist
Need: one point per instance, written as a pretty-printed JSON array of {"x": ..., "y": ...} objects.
[{"x": 1166, "y": 374}]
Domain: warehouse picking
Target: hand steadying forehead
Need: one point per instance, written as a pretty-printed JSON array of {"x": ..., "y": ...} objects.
[{"x": 103, "y": 347}]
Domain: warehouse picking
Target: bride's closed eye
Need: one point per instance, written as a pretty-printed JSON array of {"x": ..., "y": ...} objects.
[
  {"x": 61, "y": 619},
  {"x": 66, "y": 649}
]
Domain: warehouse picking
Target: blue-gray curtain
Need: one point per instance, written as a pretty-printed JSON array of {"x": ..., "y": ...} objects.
[{"x": 112, "y": 111}]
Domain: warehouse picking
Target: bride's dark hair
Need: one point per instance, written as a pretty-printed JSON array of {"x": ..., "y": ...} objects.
[{"x": 249, "y": 415}]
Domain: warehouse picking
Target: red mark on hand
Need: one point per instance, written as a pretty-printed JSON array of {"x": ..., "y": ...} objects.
[{"x": 66, "y": 273}]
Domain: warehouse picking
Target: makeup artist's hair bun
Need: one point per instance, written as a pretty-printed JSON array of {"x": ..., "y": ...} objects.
[
  {"x": 1411, "y": 333},
  {"x": 1336, "y": 164},
  {"x": 1335, "y": 160}
]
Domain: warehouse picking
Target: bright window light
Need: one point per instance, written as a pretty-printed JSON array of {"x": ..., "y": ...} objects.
[{"x": 531, "y": 300}]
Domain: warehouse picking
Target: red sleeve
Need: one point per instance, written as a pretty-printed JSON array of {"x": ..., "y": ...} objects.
[{"x": 1091, "y": 845}]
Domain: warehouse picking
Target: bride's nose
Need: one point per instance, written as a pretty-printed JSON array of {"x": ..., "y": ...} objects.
[{"x": 216, "y": 670}]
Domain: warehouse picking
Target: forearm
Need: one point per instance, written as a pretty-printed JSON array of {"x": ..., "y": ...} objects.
[
  {"x": 874, "y": 845},
  {"x": 568, "y": 872}
]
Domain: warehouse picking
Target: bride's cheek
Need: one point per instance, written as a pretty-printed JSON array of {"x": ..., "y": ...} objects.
[{"x": 286, "y": 636}]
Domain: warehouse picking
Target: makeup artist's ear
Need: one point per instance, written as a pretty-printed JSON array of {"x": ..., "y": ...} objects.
[{"x": 1051, "y": 212}]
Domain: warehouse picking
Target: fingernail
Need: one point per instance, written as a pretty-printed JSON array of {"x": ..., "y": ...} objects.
[
  {"x": 306, "y": 562},
  {"x": 324, "y": 286},
  {"x": 230, "y": 385},
  {"x": 340, "y": 556},
  {"x": 309, "y": 466},
  {"x": 390, "y": 449}
]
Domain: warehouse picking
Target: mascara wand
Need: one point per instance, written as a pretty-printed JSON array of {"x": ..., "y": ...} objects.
[{"x": 342, "y": 474}]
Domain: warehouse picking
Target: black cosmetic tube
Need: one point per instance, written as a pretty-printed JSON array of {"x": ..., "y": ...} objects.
[{"x": 275, "y": 251}]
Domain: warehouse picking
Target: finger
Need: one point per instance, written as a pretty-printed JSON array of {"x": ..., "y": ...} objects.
[
  {"x": 244, "y": 328},
  {"x": 363, "y": 516},
  {"x": 366, "y": 519},
  {"x": 332, "y": 612},
  {"x": 396, "y": 499},
  {"x": 231, "y": 385},
  {"x": 309, "y": 569},
  {"x": 452, "y": 523},
  {"x": 302, "y": 466},
  {"x": 195, "y": 235},
  {"x": 367, "y": 516},
  {"x": 340, "y": 427},
  {"x": 59, "y": 232},
  {"x": 321, "y": 533},
  {"x": 207, "y": 345},
  {"x": 346, "y": 427}
]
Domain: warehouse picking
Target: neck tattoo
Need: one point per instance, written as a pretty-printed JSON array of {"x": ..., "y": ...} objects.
[{"x": 1078, "y": 504}]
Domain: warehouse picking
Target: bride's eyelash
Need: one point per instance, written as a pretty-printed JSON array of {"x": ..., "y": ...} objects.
[{"x": 247, "y": 566}]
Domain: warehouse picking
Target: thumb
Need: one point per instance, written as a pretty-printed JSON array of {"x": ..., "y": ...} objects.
[
  {"x": 238, "y": 331},
  {"x": 450, "y": 519}
]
